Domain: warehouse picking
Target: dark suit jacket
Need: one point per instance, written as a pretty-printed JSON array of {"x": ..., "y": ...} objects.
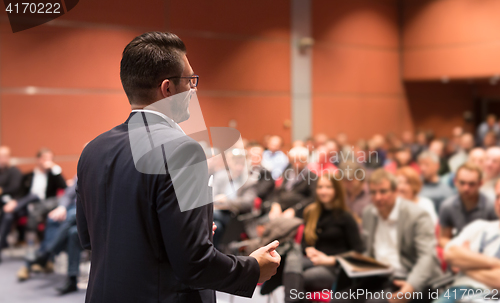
[
  {"x": 144, "y": 249},
  {"x": 265, "y": 186},
  {"x": 10, "y": 181}
]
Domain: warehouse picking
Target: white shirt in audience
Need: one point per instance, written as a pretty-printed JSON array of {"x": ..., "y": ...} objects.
[
  {"x": 40, "y": 180},
  {"x": 39, "y": 183}
]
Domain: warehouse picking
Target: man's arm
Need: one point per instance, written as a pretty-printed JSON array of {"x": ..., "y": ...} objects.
[
  {"x": 465, "y": 259},
  {"x": 458, "y": 252},
  {"x": 486, "y": 276},
  {"x": 187, "y": 234}
]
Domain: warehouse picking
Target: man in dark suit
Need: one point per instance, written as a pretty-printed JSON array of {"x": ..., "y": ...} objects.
[{"x": 147, "y": 223}]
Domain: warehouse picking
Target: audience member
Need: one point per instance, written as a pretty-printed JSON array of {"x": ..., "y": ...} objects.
[
  {"x": 456, "y": 136},
  {"x": 468, "y": 205},
  {"x": 476, "y": 156},
  {"x": 490, "y": 139},
  {"x": 357, "y": 197},
  {"x": 60, "y": 235},
  {"x": 437, "y": 147},
  {"x": 475, "y": 253},
  {"x": 322, "y": 164},
  {"x": 334, "y": 154},
  {"x": 234, "y": 192},
  {"x": 399, "y": 233},
  {"x": 461, "y": 156},
  {"x": 491, "y": 170},
  {"x": 273, "y": 159},
  {"x": 409, "y": 186},
  {"x": 409, "y": 142},
  {"x": 402, "y": 158},
  {"x": 434, "y": 187},
  {"x": 490, "y": 125},
  {"x": 297, "y": 187},
  {"x": 376, "y": 155},
  {"x": 329, "y": 230}
]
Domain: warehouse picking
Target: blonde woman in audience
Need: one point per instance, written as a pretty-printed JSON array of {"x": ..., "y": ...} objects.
[{"x": 409, "y": 185}]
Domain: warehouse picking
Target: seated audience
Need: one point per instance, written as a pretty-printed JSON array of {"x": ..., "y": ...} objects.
[
  {"x": 273, "y": 159},
  {"x": 409, "y": 185},
  {"x": 434, "y": 187},
  {"x": 234, "y": 191},
  {"x": 465, "y": 207},
  {"x": 297, "y": 187},
  {"x": 476, "y": 156},
  {"x": 38, "y": 188},
  {"x": 334, "y": 153},
  {"x": 409, "y": 142},
  {"x": 438, "y": 148},
  {"x": 466, "y": 144},
  {"x": 60, "y": 235},
  {"x": 475, "y": 253},
  {"x": 488, "y": 126},
  {"x": 265, "y": 182},
  {"x": 398, "y": 233},
  {"x": 322, "y": 164},
  {"x": 353, "y": 181},
  {"x": 376, "y": 153},
  {"x": 456, "y": 136},
  {"x": 402, "y": 158},
  {"x": 329, "y": 230},
  {"x": 491, "y": 170},
  {"x": 490, "y": 140}
]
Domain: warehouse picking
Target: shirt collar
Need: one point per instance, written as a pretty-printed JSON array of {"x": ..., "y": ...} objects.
[
  {"x": 170, "y": 122},
  {"x": 38, "y": 171},
  {"x": 394, "y": 215}
]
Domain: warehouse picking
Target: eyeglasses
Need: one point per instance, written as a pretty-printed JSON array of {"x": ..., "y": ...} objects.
[{"x": 193, "y": 80}]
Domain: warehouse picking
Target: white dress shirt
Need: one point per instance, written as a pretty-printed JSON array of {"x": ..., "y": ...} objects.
[
  {"x": 385, "y": 246},
  {"x": 40, "y": 180}
]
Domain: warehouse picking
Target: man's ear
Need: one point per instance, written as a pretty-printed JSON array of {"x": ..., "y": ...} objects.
[{"x": 166, "y": 88}]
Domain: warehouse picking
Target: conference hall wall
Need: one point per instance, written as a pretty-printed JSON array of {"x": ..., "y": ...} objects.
[
  {"x": 60, "y": 84},
  {"x": 450, "y": 60}
]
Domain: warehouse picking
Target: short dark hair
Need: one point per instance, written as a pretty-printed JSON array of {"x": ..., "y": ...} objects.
[
  {"x": 146, "y": 61},
  {"x": 42, "y": 151}
]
